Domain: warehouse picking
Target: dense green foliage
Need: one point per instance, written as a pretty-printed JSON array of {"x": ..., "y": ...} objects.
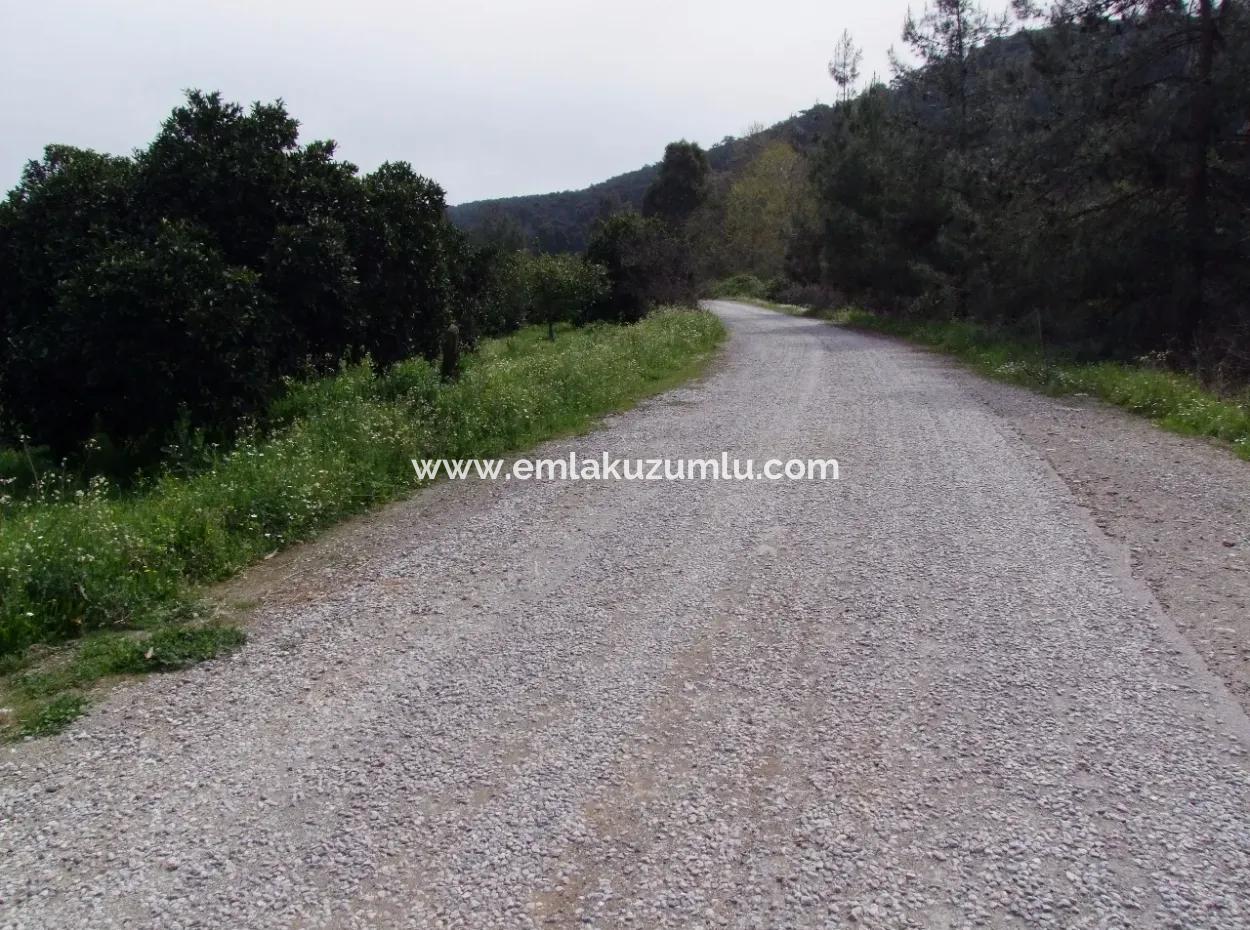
[
  {"x": 79, "y": 561},
  {"x": 185, "y": 283},
  {"x": 1085, "y": 183},
  {"x": 743, "y": 285},
  {"x": 564, "y": 288},
  {"x": 681, "y": 185},
  {"x": 647, "y": 263}
]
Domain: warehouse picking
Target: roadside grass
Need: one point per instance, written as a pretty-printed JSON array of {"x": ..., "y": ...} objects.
[
  {"x": 96, "y": 584},
  {"x": 1175, "y": 401}
]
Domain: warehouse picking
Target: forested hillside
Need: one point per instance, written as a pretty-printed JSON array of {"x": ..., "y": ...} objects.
[
  {"x": 1078, "y": 176},
  {"x": 561, "y": 222},
  {"x": 1085, "y": 181}
]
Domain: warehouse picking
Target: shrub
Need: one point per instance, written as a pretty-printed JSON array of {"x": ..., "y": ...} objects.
[{"x": 815, "y": 296}]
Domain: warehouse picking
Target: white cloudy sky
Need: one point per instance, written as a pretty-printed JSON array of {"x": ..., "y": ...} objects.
[{"x": 489, "y": 98}]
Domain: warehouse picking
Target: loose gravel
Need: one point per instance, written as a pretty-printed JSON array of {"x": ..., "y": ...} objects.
[
  {"x": 928, "y": 695},
  {"x": 1179, "y": 506}
]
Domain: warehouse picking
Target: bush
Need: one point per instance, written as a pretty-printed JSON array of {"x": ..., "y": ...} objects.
[{"x": 815, "y": 296}]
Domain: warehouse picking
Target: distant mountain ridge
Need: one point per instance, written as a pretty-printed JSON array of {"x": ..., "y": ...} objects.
[{"x": 561, "y": 222}]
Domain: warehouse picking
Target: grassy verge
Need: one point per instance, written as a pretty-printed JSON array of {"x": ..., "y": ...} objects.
[
  {"x": 114, "y": 576},
  {"x": 1173, "y": 400}
]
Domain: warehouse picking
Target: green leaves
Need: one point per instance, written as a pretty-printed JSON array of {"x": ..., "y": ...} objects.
[
  {"x": 188, "y": 281},
  {"x": 682, "y": 184},
  {"x": 646, "y": 264},
  {"x": 562, "y": 288}
]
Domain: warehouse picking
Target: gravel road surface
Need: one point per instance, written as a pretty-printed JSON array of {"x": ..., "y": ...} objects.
[{"x": 928, "y": 695}]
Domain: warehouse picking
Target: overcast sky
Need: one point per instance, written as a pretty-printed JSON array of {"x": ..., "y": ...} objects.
[{"x": 490, "y": 98}]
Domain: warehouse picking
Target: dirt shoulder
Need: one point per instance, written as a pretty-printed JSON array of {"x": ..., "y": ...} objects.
[{"x": 1180, "y": 504}]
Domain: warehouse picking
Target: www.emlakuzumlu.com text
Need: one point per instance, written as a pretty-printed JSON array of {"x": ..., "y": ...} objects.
[{"x": 607, "y": 467}]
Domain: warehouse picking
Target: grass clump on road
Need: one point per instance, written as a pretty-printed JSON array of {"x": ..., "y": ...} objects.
[
  {"x": 51, "y": 717},
  {"x": 1175, "y": 401},
  {"x": 114, "y": 575}
]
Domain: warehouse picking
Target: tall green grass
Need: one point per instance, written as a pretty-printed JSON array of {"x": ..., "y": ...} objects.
[
  {"x": 1176, "y": 401},
  {"x": 76, "y": 561}
]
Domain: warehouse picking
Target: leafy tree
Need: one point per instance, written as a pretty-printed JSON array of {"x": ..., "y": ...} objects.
[
  {"x": 945, "y": 39},
  {"x": 309, "y": 273},
  {"x": 563, "y": 288},
  {"x": 949, "y": 100},
  {"x": 401, "y": 246},
  {"x": 1085, "y": 182},
  {"x": 646, "y": 265},
  {"x": 493, "y": 292},
  {"x": 139, "y": 333},
  {"x": 227, "y": 170},
  {"x": 681, "y": 186},
  {"x": 1161, "y": 88},
  {"x": 765, "y": 208},
  {"x": 68, "y": 210},
  {"x": 189, "y": 280},
  {"x": 883, "y": 207}
]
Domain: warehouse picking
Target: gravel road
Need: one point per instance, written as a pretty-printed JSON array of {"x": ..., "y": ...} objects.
[{"x": 928, "y": 695}]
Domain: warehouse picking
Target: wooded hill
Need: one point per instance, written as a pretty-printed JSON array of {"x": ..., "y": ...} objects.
[
  {"x": 1078, "y": 176},
  {"x": 561, "y": 222}
]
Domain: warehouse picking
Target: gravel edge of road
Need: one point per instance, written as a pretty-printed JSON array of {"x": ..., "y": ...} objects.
[{"x": 1176, "y": 538}]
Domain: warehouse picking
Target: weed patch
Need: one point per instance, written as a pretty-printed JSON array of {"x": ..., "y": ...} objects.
[{"x": 54, "y": 716}]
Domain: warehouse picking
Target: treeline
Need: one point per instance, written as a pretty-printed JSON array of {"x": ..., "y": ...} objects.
[
  {"x": 177, "y": 290},
  {"x": 1079, "y": 178},
  {"x": 1087, "y": 180},
  {"x": 563, "y": 221}
]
